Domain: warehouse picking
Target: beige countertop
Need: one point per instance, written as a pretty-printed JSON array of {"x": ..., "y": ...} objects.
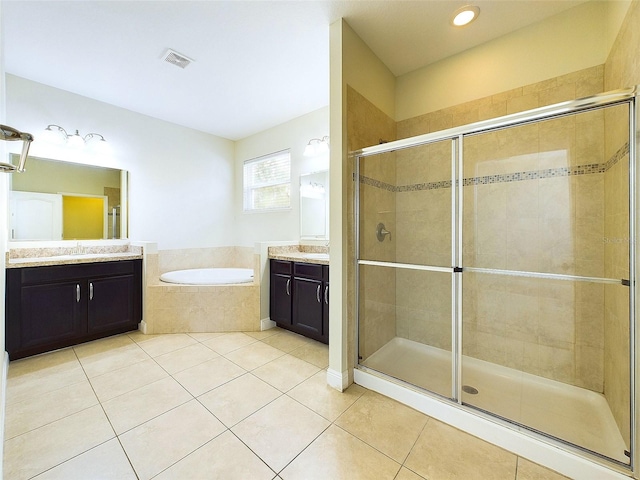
[
  {"x": 71, "y": 259},
  {"x": 300, "y": 253},
  {"x": 301, "y": 257}
]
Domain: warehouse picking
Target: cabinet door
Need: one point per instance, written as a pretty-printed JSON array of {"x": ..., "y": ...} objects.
[
  {"x": 307, "y": 307},
  {"x": 280, "y": 299},
  {"x": 325, "y": 314},
  {"x": 111, "y": 303},
  {"x": 51, "y": 314}
]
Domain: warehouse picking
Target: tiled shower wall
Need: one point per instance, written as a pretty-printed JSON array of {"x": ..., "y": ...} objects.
[
  {"x": 366, "y": 126},
  {"x": 537, "y": 204},
  {"x": 622, "y": 70},
  {"x": 533, "y": 200}
]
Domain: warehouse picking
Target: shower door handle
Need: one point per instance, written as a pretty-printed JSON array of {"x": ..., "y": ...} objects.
[{"x": 318, "y": 294}]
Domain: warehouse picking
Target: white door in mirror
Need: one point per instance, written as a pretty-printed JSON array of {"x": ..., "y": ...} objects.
[{"x": 36, "y": 216}]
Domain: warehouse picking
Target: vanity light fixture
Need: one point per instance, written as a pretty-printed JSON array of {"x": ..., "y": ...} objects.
[
  {"x": 57, "y": 134},
  {"x": 464, "y": 15},
  {"x": 312, "y": 190},
  {"x": 10, "y": 134},
  {"x": 316, "y": 146}
]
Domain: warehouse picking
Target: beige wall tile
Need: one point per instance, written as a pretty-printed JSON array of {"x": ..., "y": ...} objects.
[
  {"x": 552, "y": 225},
  {"x": 525, "y": 102},
  {"x": 557, "y": 94}
]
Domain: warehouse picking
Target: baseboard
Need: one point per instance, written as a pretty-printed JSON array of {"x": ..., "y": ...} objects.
[
  {"x": 337, "y": 380},
  {"x": 266, "y": 324},
  {"x": 142, "y": 326}
]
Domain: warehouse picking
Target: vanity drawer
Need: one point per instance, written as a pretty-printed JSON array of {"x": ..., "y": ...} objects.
[
  {"x": 307, "y": 270},
  {"x": 56, "y": 273},
  {"x": 280, "y": 266}
]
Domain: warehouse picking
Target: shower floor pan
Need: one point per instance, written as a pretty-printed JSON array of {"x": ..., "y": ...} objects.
[{"x": 576, "y": 415}]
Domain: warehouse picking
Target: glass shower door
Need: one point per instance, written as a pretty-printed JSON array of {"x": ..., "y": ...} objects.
[
  {"x": 405, "y": 275},
  {"x": 546, "y": 271}
]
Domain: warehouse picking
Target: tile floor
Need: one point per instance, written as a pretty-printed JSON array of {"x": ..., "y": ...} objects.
[{"x": 230, "y": 406}]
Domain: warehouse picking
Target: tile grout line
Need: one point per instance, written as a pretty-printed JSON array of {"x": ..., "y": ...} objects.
[
  {"x": 116, "y": 436},
  {"x": 193, "y": 397},
  {"x": 414, "y": 445},
  {"x": 227, "y": 428}
]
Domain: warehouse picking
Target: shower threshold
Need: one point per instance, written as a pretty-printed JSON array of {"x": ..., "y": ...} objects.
[{"x": 576, "y": 415}]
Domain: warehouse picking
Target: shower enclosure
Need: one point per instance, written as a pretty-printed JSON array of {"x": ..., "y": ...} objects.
[{"x": 494, "y": 270}]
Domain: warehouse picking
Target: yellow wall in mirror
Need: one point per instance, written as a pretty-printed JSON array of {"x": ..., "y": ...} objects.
[{"x": 82, "y": 217}]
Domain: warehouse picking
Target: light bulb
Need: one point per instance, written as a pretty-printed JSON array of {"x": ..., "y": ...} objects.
[{"x": 75, "y": 140}]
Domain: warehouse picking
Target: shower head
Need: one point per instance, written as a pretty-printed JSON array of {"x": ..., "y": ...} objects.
[{"x": 10, "y": 134}]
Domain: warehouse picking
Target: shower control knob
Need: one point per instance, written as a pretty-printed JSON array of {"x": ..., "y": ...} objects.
[{"x": 382, "y": 232}]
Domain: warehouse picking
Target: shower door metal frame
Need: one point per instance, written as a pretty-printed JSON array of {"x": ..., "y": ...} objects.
[{"x": 630, "y": 96}]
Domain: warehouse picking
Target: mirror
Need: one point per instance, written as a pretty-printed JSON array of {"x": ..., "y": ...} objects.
[
  {"x": 55, "y": 200},
  {"x": 314, "y": 205}
]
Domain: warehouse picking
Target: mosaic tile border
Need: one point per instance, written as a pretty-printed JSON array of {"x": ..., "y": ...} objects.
[
  {"x": 378, "y": 184},
  {"x": 616, "y": 157},
  {"x": 506, "y": 177}
]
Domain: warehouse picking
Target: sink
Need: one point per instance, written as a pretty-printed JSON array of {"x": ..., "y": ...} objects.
[{"x": 317, "y": 256}]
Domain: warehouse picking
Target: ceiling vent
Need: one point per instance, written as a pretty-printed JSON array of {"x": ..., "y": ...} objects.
[{"x": 177, "y": 59}]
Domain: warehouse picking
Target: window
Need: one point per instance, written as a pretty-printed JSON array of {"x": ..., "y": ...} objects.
[{"x": 267, "y": 182}]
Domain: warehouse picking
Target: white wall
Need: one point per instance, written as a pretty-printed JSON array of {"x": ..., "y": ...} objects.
[
  {"x": 283, "y": 225},
  {"x": 181, "y": 180}
]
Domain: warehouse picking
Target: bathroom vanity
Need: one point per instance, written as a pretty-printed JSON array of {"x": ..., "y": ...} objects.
[
  {"x": 58, "y": 305},
  {"x": 299, "y": 297}
]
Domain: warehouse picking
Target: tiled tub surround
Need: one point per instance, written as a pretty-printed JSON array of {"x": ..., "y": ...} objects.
[{"x": 172, "y": 308}]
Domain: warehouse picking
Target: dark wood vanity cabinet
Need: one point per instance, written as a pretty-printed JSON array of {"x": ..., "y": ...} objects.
[
  {"x": 58, "y": 306},
  {"x": 280, "y": 292},
  {"x": 299, "y": 298}
]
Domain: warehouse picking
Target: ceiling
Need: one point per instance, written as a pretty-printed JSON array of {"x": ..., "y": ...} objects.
[{"x": 256, "y": 63}]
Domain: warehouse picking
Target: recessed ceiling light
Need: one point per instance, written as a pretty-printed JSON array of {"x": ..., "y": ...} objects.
[{"x": 464, "y": 16}]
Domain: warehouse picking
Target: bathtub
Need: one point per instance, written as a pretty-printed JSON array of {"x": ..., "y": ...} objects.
[
  {"x": 198, "y": 303},
  {"x": 209, "y": 276}
]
